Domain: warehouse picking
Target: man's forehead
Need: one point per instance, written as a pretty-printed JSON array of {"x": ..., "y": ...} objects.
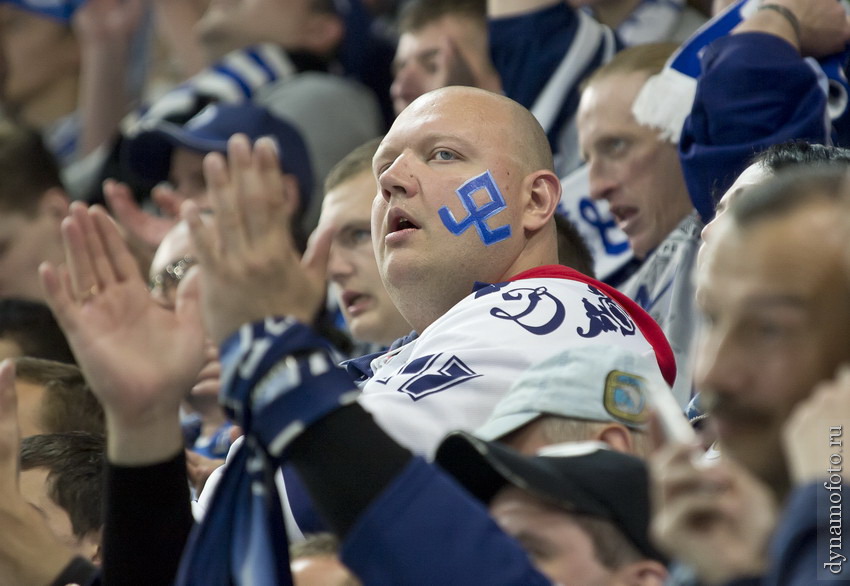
[
  {"x": 790, "y": 253},
  {"x": 352, "y": 197},
  {"x": 445, "y": 111}
]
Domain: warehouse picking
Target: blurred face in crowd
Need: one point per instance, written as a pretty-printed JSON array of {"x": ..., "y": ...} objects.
[
  {"x": 294, "y": 24},
  {"x": 441, "y": 141},
  {"x": 751, "y": 176},
  {"x": 425, "y": 58},
  {"x": 34, "y": 488},
  {"x": 37, "y": 52},
  {"x": 170, "y": 265},
  {"x": 556, "y": 544},
  {"x": 186, "y": 173},
  {"x": 774, "y": 297},
  {"x": 630, "y": 167},
  {"x": 26, "y": 241},
  {"x": 369, "y": 312}
]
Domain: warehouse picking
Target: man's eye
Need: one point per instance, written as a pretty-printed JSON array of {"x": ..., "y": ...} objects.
[
  {"x": 361, "y": 236},
  {"x": 354, "y": 238},
  {"x": 615, "y": 146},
  {"x": 444, "y": 155}
]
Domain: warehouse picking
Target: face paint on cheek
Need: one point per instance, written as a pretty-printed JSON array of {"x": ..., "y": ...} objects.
[{"x": 478, "y": 215}]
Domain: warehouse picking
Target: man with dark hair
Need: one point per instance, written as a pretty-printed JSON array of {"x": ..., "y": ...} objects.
[
  {"x": 442, "y": 43},
  {"x": 772, "y": 160},
  {"x": 28, "y": 328},
  {"x": 772, "y": 285},
  {"x": 62, "y": 477},
  {"x": 33, "y": 203},
  {"x": 55, "y": 398}
]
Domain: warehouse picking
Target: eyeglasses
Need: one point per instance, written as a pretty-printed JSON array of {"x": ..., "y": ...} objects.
[{"x": 165, "y": 282}]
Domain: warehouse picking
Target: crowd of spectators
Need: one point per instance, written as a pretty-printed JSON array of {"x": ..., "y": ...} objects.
[{"x": 340, "y": 292}]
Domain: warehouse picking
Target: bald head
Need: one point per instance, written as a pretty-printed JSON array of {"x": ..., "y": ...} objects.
[
  {"x": 517, "y": 128},
  {"x": 458, "y": 157}
]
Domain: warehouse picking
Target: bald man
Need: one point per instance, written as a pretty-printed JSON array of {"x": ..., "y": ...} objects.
[{"x": 466, "y": 245}]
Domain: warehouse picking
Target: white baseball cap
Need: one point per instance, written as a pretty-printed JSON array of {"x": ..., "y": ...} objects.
[{"x": 596, "y": 383}]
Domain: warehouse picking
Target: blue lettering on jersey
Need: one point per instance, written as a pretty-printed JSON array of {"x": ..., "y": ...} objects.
[
  {"x": 605, "y": 316},
  {"x": 478, "y": 215},
  {"x": 590, "y": 214},
  {"x": 543, "y": 314},
  {"x": 432, "y": 374},
  {"x": 643, "y": 299}
]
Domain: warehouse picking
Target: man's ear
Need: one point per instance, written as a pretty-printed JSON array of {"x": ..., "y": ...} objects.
[
  {"x": 641, "y": 573},
  {"x": 324, "y": 33},
  {"x": 91, "y": 546},
  {"x": 617, "y": 436},
  {"x": 544, "y": 193},
  {"x": 55, "y": 203}
]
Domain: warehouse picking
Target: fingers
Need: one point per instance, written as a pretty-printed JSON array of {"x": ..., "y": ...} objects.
[
  {"x": 673, "y": 472},
  {"x": 207, "y": 381},
  {"x": 9, "y": 431},
  {"x": 79, "y": 238},
  {"x": 188, "y": 303},
  {"x": 203, "y": 235},
  {"x": 55, "y": 293},
  {"x": 121, "y": 203},
  {"x": 123, "y": 263},
  {"x": 317, "y": 256},
  {"x": 223, "y": 187},
  {"x": 247, "y": 193},
  {"x": 167, "y": 199},
  {"x": 274, "y": 197}
]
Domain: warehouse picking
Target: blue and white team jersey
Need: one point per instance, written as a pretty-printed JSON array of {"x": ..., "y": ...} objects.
[{"x": 454, "y": 373}]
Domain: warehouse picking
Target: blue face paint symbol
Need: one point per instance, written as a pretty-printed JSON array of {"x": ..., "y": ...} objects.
[{"x": 478, "y": 215}]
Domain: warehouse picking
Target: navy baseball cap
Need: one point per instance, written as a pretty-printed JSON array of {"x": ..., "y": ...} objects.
[
  {"x": 583, "y": 478},
  {"x": 147, "y": 150}
]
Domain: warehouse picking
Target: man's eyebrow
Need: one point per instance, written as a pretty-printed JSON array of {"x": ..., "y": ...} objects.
[
  {"x": 780, "y": 300},
  {"x": 427, "y": 54}
]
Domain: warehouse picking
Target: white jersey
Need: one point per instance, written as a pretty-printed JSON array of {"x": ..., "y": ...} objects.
[{"x": 454, "y": 373}]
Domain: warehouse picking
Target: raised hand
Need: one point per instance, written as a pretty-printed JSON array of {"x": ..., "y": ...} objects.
[
  {"x": 452, "y": 66},
  {"x": 815, "y": 435},
  {"x": 143, "y": 231},
  {"x": 824, "y": 26},
  {"x": 717, "y": 518},
  {"x": 138, "y": 357},
  {"x": 98, "y": 21},
  {"x": 29, "y": 552},
  {"x": 251, "y": 267}
]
